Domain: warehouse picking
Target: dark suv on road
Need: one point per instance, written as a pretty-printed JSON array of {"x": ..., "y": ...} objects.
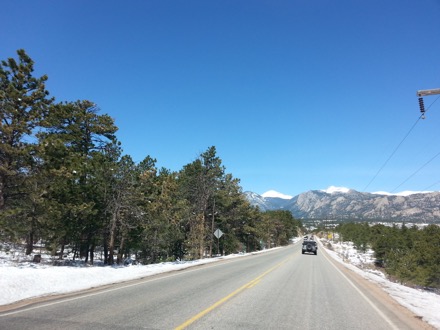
[{"x": 309, "y": 246}]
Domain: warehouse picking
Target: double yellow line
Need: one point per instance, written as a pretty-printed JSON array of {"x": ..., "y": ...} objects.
[{"x": 248, "y": 285}]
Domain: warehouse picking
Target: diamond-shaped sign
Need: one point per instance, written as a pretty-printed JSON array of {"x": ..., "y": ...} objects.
[{"x": 218, "y": 233}]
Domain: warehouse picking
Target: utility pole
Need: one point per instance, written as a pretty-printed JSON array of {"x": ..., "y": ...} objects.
[{"x": 425, "y": 92}]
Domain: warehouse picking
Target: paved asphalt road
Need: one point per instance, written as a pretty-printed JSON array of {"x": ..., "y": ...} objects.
[{"x": 281, "y": 289}]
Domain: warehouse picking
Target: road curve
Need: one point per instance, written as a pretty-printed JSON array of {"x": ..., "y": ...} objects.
[{"x": 280, "y": 289}]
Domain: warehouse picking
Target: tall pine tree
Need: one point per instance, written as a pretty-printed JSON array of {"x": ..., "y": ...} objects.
[{"x": 24, "y": 103}]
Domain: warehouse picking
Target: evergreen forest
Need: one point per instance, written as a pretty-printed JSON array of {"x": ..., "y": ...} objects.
[
  {"x": 410, "y": 255},
  {"x": 65, "y": 182}
]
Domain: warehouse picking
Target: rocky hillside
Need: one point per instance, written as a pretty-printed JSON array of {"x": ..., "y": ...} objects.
[{"x": 316, "y": 204}]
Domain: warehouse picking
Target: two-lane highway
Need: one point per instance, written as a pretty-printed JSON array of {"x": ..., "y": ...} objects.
[{"x": 280, "y": 289}]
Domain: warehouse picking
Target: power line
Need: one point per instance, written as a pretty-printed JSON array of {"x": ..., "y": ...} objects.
[
  {"x": 422, "y": 116},
  {"x": 392, "y": 154},
  {"x": 438, "y": 97},
  {"x": 416, "y": 171},
  {"x": 429, "y": 187}
]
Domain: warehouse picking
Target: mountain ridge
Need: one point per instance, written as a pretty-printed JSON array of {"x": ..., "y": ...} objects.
[{"x": 349, "y": 204}]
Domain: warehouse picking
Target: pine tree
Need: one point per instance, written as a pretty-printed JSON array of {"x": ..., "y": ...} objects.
[
  {"x": 199, "y": 181},
  {"x": 74, "y": 140},
  {"x": 24, "y": 103},
  {"x": 163, "y": 233}
]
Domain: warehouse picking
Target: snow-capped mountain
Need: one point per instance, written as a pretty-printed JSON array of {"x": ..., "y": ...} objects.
[
  {"x": 333, "y": 189},
  {"x": 267, "y": 201},
  {"x": 276, "y": 194},
  {"x": 343, "y": 203},
  {"x": 257, "y": 200}
]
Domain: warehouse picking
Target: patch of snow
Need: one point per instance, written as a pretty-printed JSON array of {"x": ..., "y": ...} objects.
[
  {"x": 276, "y": 194},
  {"x": 333, "y": 189},
  {"x": 21, "y": 279}
]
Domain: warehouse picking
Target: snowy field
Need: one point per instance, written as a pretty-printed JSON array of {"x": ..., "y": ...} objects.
[{"x": 21, "y": 279}]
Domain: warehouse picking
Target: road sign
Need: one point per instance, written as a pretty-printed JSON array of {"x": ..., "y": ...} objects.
[{"x": 218, "y": 233}]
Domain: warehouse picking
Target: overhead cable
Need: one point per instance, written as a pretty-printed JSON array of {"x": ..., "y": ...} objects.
[
  {"x": 429, "y": 187},
  {"x": 392, "y": 154},
  {"x": 416, "y": 171},
  {"x": 422, "y": 116}
]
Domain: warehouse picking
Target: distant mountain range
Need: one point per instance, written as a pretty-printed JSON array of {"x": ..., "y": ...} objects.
[{"x": 348, "y": 204}]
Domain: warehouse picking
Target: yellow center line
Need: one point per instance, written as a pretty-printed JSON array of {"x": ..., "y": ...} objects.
[
  {"x": 248, "y": 285},
  {"x": 253, "y": 284}
]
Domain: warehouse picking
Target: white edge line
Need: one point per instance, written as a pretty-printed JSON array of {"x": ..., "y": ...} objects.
[
  {"x": 362, "y": 294},
  {"x": 82, "y": 296}
]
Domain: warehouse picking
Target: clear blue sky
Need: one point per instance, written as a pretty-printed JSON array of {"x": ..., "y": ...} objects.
[{"x": 295, "y": 95}]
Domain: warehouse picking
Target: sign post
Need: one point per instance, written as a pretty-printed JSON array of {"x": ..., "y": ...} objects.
[{"x": 218, "y": 233}]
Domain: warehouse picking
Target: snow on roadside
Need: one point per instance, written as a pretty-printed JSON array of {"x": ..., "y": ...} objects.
[
  {"x": 423, "y": 303},
  {"x": 18, "y": 283},
  {"x": 21, "y": 279}
]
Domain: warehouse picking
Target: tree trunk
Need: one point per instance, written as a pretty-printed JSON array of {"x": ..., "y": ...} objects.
[
  {"x": 211, "y": 234},
  {"x": 111, "y": 244},
  {"x": 60, "y": 257},
  {"x": 2, "y": 198},
  {"x": 92, "y": 253},
  {"x": 30, "y": 238},
  {"x": 86, "y": 254},
  {"x": 202, "y": 236},
  {"x": 75, "y": 251},
  {"x": 30, "y": 242},
  {"x": 121, "y": 247},
  {"x": 89, "y": 248},
  {"x": 105, "y": 243}
]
